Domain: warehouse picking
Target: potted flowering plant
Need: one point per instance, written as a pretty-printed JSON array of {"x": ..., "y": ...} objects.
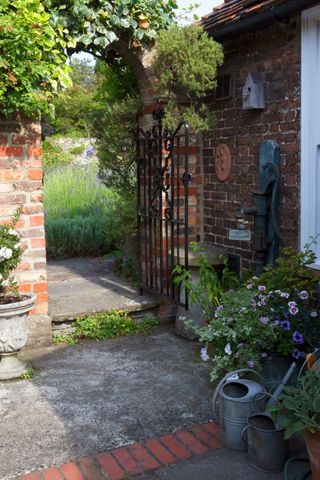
[
  {"x": 14, "y": 307},
  {"x": 297, "y": 410},
  {"x": 273, "y": 315},
  {"x": 253, "y": 324}
]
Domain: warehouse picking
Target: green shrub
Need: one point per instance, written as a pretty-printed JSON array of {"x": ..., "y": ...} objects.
[
  {"x": 80, "y": 236},
  {"x": 54, "y": 156},
  {"x": 78, "y": 150}
]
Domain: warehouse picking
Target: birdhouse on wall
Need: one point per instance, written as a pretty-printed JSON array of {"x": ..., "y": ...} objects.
[{"x": 253, "y": 93}]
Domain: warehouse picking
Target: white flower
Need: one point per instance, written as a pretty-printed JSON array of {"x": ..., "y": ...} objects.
[
  {"x": 227, "y": 349},
  {"x": 5, "y": 253},
  {"x": 13, "y": 232},
  {"x": 314, "y": 314},
  {"x": 204, "y": 354},
  {"x": 16, "y": 246},
  {"x": 5, "y": 283}
]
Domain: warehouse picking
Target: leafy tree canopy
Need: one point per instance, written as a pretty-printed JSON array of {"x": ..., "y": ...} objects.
[
  {"x": 32, "y": 59},
  {"x": 99, "y": 23}
]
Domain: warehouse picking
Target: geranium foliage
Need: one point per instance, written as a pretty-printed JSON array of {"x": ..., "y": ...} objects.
[{"x": 32, "y": 59}]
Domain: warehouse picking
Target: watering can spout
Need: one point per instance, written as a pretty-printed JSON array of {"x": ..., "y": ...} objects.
[{"x": 282, "y": 384}]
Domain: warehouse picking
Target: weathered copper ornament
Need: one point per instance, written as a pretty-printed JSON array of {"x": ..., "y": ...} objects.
[{"x": 223, "y": 162}]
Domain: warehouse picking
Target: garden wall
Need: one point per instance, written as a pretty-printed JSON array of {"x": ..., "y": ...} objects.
[
  {"x": 21, "y": 184},
  {"x": 274, "y": 52}
]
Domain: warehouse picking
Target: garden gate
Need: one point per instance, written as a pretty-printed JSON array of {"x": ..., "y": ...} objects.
[{"x": 163, "y": 179}]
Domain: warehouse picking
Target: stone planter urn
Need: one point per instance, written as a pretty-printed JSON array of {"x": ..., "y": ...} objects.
[{"x": 13, "y": 336}]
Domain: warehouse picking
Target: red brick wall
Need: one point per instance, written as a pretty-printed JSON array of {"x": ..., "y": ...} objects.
[
  {"x": 21, "y": 184},
  {"x": 274, "y": 52}
]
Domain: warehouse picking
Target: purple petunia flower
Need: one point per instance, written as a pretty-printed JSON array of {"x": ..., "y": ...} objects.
[
  {"x": 293, "y": 310},
  {"x": 242, "y": 310},
  {"x": 262, "y": 288},
  {"x": 249, "y": 286},
  {"x": 292, "y": 304},
  {"x": 250, "y": 363},
  {"x": 221, "y": 307},
  {"x": 264, "y": 320},
  {"x": 276, "y": 323},
  {"x": 264, "y": 355},
  {"x": 296, "y": 354},
  {"x": 261, "y": 303},
  {"x": 304, "y": 295},
  {"x": 284, "y": 295},
  {"x": 240, "y": 345},
  {"x": 286, "y": 325},
  {"x": 298, "y": 338}
]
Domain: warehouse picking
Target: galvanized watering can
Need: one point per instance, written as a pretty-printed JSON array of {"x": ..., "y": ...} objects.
[
  {"x": 234, "y": 400},
  {"x": 267, "y": 449}
]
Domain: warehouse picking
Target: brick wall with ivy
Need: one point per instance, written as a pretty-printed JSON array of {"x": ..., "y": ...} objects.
[
  {"x": 274, "y": 52},
  {"x": 21, "y": 184}
]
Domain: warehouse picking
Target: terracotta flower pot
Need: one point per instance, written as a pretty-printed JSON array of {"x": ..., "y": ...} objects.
[
  {"x": 313, "y": 446},
  {"x": 13, "y": 336}
]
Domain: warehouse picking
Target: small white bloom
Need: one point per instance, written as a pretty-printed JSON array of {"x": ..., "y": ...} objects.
[
  {"x": 16, "y": 246},
  {"x": 314, "y": 314},
  {"x": 5, "y": 253},
  {"x": 11, "y": 231},
  {"x": 227, "y": 349},
  {"x": 5, "y": 283},
  {"x": 204, "y": 354}
]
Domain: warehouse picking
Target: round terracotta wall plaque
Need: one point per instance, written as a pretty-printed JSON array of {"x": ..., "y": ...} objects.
[{"x": 223, "y": 162}]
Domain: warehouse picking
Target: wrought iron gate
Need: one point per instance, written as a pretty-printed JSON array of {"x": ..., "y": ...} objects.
[{"x": 163, "y": 179}]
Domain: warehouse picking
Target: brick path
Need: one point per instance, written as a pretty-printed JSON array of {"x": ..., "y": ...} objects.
[{"x": 138, "y": 458}]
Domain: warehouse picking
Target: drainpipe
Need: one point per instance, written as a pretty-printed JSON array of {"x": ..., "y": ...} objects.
[{"x": 278, "y": 13}]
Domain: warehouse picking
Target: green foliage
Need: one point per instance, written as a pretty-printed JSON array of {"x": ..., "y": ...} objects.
[
  {"x": 73, "y": 191},
  {"x": 81, "y": 213},
  {"x": 297, "y": 408},
  {"x": 28, "y": 374},
  {"x": 10, "y": 257},
  {"x": 100, "y": 326},
  {"x": 291, "y": 272},
  {"x": 32, "y": 59},
  {"x": 116, "y": 144},
  {"x": 54, "y": 156},
  {"x": 80, "y": 236},
  {"x": 76, "y": 106},
  {"x": 101, "y": 23},
  {"x": 78, "y": 150},
  {"x": 186, "y": 64},
  {"x": 209, "y": 289},
  {"x": 253, "y": 323},
  {"x": 67, "y": 338}
]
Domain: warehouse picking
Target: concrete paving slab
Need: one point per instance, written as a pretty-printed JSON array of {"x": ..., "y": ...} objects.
[
  {"x": 99, "y": 395},
  {"x": 92, "y": 281}
]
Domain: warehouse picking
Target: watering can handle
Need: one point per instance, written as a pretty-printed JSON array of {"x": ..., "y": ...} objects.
[
  {"x": 215, "y": 398},
  {"x": 244, "y": 435}
]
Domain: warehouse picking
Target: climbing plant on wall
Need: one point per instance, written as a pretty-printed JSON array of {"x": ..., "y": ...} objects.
[{"x": 32, "y": 59}]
